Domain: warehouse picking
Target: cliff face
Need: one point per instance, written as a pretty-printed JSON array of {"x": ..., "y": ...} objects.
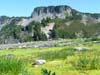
[{"x": 51, "y": 11}]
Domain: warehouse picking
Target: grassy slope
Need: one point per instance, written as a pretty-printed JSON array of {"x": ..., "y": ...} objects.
[
  {"x": 58, "y": 58},
  {"x": 77, "y": 26}
]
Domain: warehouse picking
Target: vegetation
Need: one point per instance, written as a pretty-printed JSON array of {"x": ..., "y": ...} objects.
[
  {"x": 46, "y": 72},
  {"x": 71, "y": 27},
  {"x": 18, "y": 33},
  {"x": 49, "y": 55},
  {"x": 61, "y": 60},
  {"x": 25, "y": 73},
  {"x": 86, "y": 62},
  {"x": 10, "y": 66}
]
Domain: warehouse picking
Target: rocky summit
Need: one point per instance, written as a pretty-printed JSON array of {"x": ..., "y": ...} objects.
[{"x": 51, "y": 11}]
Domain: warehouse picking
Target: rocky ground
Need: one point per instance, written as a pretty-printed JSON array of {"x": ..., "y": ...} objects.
[{"x": 38, "y": 44}]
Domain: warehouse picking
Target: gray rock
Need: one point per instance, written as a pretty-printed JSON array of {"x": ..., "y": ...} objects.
[
  {"x": 43, "y": 12},
  {"x": 39, "y": 62},
  {"x": 81, "y": 48}
]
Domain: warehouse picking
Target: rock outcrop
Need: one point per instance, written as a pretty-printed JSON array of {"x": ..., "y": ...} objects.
[{"x": 51, "y": 11}]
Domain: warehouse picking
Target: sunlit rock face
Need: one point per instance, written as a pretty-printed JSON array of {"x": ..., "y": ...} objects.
[{"x": 51, "y": 11}]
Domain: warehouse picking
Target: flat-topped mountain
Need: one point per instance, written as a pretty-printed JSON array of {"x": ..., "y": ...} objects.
[{"x": 51, "y": 11}]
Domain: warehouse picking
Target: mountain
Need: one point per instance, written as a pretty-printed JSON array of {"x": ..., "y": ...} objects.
[
  {"x": 51, "y": 11},
  {"x": 50, "y": 22}
]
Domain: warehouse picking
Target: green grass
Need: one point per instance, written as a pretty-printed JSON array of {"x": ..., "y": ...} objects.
[
  {"x": 87, "y": 62},
  {"x": 56, "y": 55},
  {"x": 10, "y": 66},
  {"x": 61, "y": 60}
]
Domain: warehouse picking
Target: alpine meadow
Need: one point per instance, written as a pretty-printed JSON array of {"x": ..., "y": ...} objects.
[{"x": 56, "y": 39}]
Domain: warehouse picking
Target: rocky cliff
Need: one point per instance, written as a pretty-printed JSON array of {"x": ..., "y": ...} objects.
[{"x": 51, "y": 11}]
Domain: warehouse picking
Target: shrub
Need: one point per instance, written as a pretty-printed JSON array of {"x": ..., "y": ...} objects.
[
  {"x": 95, "y": 39},
  {"x": 47, "y": 72}
]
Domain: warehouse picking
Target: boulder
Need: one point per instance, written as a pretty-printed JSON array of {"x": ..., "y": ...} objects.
[
  {"x": 39, "y": 62},
  {"x": 81, "y": 48}
]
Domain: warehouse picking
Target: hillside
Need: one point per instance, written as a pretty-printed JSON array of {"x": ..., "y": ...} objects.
[{"x": 50, "y": 22}]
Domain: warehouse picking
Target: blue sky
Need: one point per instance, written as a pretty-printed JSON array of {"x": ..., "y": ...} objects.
[{"x": 25, "y": 7}]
